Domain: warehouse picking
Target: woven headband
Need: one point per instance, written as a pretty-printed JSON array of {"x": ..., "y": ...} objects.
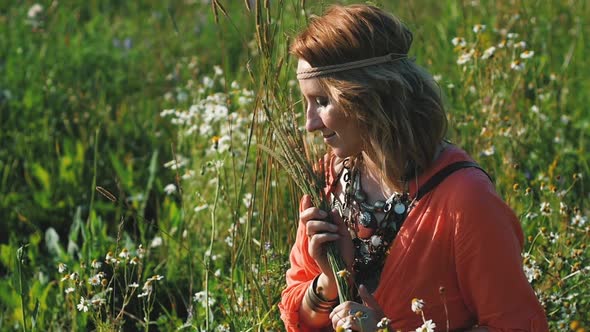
[{"x": 325, "y": 70}]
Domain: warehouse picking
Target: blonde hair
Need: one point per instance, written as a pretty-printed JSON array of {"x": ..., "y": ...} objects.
[{"x": 397, "y": 104}]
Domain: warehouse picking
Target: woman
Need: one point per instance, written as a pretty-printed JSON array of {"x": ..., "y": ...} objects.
[{"x": 415, "y": 217}]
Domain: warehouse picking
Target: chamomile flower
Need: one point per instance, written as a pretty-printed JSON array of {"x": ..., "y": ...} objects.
[
  {"x": 201, "y": 207},
  {"x": 204, "y": 299},
  {"x": 459, "y": 41},
  {"x": 512, "y": 35},
  {"x": 527, "y": 54},
  {"x": 156, "y": 277},
  {"x": 488, "y": 53},
  {"x": 97, "y": 302},
  {"x": 478, "y": 28},
  {"x": 69, "y": 290},
  {"x": 517, "y": 65},
  {"x": 140, "y": 251},
  {"x": 343, "y": 274},
  {"x": 428, "y": 326},
  {"x": 417, "y": 305},
  {"x": 545, "y": 209},
  {"x": 110, "y": 258},
  {"x": 94, "y": 280},
  {"x": 465, "y": 57},
  {"x": 156, "y": 242},
  {"x": 384, "y": 323},
  {"x": 490, "y": 151},
  {"x": 170, "y": 189},
  {"x": 95, "y": 264},
  {"x": 133, "y": 285},
  {"x": 83, "y": 305},
  {"x": 34, "y": 11},
  {"x": 61, "y": 267},
  {"x": 124, "y": 253}
]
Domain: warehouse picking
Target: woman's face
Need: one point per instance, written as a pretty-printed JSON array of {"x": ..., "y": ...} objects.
[{"x": 340, "y": 132}]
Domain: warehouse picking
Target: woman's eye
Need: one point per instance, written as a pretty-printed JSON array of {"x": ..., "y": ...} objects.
[{"x": 322, "y": 101}]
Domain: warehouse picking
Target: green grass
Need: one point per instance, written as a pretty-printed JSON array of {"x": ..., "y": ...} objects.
[{"x": 82, "y": 90}]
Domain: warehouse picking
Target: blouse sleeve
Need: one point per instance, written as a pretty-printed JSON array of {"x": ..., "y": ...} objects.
[
  {"x": 301, "y": 273},
  {"x": 488, "y": 244},
  {"x": 303, "y": 267}
]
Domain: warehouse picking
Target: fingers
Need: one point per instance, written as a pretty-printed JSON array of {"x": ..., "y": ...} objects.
[
  {"x": 338, "y": 221},
  {"x": 318, "y": 226},
  {"x": 305, "y": 203},
  {"x": 312, "y": 213},
  {"x": 368, "y": 298},
  {"x": 351, "y": 315}
]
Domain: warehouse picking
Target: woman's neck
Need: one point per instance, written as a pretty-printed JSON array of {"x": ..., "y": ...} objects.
[{"x": 372, "y": 177}]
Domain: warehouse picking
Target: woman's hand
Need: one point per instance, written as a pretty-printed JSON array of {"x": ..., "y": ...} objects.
[
  {"x": 356, "y": 316},
  {"x": 320, "y": 232}
]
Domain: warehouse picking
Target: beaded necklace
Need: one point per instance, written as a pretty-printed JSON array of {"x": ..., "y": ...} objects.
[{"x": 359, "y": 216}]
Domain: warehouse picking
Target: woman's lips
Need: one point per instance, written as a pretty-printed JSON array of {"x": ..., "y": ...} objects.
[{"x": 328, "y": 138}]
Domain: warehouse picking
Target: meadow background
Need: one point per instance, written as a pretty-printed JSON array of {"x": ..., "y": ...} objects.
[{"x": 134, "y": 194}]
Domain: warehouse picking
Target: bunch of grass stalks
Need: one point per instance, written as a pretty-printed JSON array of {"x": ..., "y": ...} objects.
[{"x": 296, "y": 153}]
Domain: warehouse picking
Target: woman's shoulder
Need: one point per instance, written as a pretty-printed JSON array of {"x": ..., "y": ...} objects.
[{"x": 466, "y": 184}]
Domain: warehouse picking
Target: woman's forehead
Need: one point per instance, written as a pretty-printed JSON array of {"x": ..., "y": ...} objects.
[
  {"x": 310, "y": 86},
  {"x": 302, "y": 65}
]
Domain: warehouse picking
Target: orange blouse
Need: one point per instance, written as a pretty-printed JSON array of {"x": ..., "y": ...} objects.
[{"x": 460, "y": 236}]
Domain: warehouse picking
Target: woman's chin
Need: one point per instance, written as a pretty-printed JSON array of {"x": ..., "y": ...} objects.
[{"x": 342, "y": 153}]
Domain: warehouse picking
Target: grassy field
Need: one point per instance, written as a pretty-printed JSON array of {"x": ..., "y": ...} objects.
[{"x": 134, "y": 194}]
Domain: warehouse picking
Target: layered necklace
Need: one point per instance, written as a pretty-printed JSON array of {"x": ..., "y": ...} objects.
[{"x": 371, "y": 237}]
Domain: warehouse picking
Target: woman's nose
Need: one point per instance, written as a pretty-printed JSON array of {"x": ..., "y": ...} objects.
[{"x": 313, "y": 121}]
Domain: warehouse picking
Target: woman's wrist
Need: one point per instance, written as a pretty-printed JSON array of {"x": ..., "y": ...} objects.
[
  {"x": 326, "y": 287},
  {"x": 316, "y": 300}
]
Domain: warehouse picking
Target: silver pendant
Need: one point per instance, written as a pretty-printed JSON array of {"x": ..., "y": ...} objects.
[
  {"x": 399, "y": 208},
  {"x": 366, "y": 218}
]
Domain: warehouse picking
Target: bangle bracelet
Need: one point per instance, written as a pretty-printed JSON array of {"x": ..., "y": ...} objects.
[{"x": 315, "y": 301}]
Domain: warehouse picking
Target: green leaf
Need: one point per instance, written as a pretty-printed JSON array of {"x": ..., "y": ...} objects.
[{"x": 42, "y": 175}]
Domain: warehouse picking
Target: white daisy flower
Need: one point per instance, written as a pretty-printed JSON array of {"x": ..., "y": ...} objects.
[
  {"x": 201, "y": 207},
  {"x": 527, "y": 54},
  {"x": 156, "y": 277},
  {"x": 170, "y": 189},
  {"x": 98, "y": 301},
  {"x": 512, "y": 35},
  {"x": 488, "y": 53},
  {"x": 479, "y": 28},
  {"x": 465, "y": 57},
  {"x": 517, "y": 65},
  {"x": 96, "y": 264},
  {"x": 83, "y": 305},
  {"x": 417, "y": 305},
  {"x": 61, "y": 267},
  {"x": 156, "y": 242},
  {"x": 94, "y": 280},
  {"x": 140, "y": 251},
  {"x": 545, "y": 209},
  {"x": 34, "y": 11},
  {"x": 458, "y": 41},
  {"x": 428, "y": 326},
  {"x": 520, "y": 44}
]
